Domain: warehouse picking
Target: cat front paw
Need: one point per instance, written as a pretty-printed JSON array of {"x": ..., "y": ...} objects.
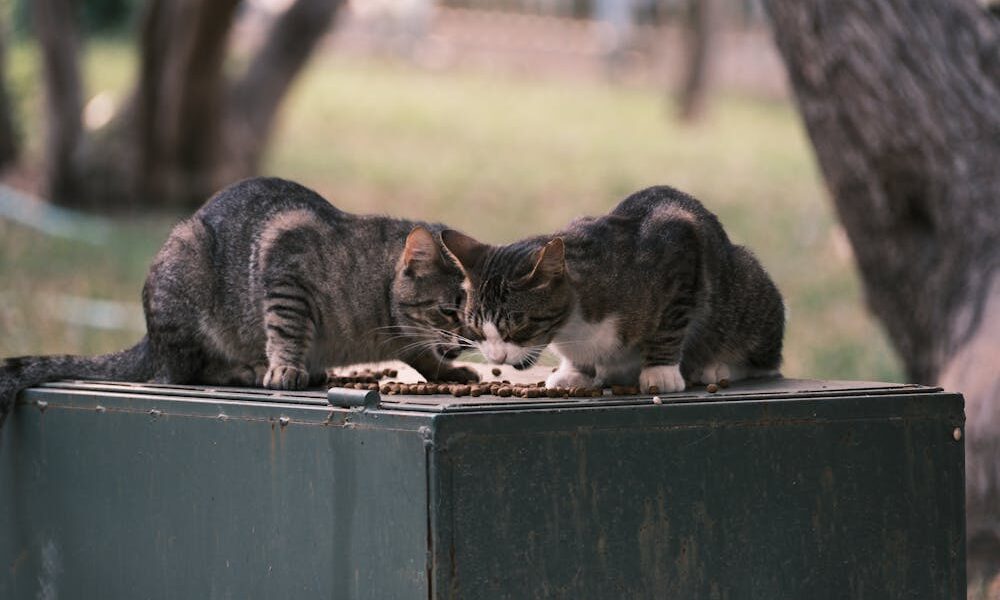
[
  {"x": 664, "y": 378},
  {"x": 286, "y": 377},
  {"x": 715, "y": 372},
  {"x": 568, "y": 378},
  {"x": 453, "y": 373}
]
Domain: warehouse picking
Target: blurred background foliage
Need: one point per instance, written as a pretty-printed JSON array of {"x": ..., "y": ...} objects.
[{"x": 488, "y": 145}]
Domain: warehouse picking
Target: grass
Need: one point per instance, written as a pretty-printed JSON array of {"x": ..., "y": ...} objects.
[{"x": 499, "y": 158}]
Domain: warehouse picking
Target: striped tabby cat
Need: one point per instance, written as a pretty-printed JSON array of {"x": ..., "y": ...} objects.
[
  {"x": 653, "y": 294},
  {"x": 269, "y": 284}
]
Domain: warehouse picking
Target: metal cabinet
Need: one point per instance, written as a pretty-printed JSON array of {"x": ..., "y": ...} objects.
[{"x": 769, "y": 489}]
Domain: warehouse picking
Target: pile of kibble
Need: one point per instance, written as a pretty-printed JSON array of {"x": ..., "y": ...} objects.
[{"x": 370, "y": 380}]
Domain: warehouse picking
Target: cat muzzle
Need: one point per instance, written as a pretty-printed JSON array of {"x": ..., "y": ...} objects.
[{"x": 528, "y": 360}]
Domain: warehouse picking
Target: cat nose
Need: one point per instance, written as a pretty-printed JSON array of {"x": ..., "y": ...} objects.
[{"x": 495, "y": 355}]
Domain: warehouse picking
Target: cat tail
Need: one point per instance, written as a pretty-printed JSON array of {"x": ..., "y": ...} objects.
[{"x": 18, "y": 373}]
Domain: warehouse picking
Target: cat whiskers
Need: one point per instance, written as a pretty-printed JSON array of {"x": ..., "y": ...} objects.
[{"x": 427, "y": 339}]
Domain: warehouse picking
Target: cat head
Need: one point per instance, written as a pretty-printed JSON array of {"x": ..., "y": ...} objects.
[
  {"x": 517, "y": 296},
  {"x": 427, "y": 296}
]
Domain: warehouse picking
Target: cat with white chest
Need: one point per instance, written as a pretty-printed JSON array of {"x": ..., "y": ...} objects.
[{"x": 653, "y": 293}]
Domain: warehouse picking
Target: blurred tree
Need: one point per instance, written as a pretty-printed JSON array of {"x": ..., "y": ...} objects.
[
  {"x": 189, "y": 128},
  {"x": 54, "y": 22},
  {"x": 902, "y": 103},
  {"x": 8, "y": 134},
  {"x": 701, "y": 23}
]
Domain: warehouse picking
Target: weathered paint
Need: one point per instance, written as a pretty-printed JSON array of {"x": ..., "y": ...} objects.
[{"x": 782, "y": 489}]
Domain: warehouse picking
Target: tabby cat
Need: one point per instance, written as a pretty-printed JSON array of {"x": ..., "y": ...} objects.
[
  {"x": 653, "y": 294},
  {"x": 269, "y": 284}
]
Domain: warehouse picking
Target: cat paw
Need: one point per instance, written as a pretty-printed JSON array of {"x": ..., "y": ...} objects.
[
  {"x": 286, "y": 377},
  {"x": 460, "y": 374},
  {"x": 665, "y": 378},
  {"x": 715, "y": 372},
  {"x": 569, "y": 378}
]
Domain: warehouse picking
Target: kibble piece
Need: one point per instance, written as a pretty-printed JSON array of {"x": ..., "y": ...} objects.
[
  {"x": 505, "y": 391},
  {"x": 712, "y": 388},
  {"x": 475, "y": 391},
  {"x": 653, "y": 389},
  {"x": 531, "y": 393},
  {"x": 372, "y": 387},
  {"x": 391, "y": 372},
  {"x": 723, "y": 383},
  {"x": 495, "y": 371},
  {"x": 631, "y": 390},
  {"x": 386, "y": 388},
  {"x": 596, "y": 393}
]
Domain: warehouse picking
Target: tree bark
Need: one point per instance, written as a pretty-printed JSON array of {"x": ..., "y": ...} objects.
[
  {"x": 56, "y": 31},
  {"x": 699, "y": 34},
  {"x": 902, "y": 103}
]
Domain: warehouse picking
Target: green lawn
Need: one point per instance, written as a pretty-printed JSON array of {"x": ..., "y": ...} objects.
[{"x": 500, "y": 158}]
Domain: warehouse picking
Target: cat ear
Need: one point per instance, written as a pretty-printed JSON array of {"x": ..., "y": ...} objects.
[
  {"x": 421, "y": 250},
  {"x": 466, "y": 251},
  {"x": 550, "y": 263}
]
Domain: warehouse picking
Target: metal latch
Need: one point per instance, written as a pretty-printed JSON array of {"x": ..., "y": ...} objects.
[{"x": 348, "y": 398}]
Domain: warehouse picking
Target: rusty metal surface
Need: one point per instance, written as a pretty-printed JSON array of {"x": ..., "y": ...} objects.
[
  {"x": 790, "y": 489},
  {"x": 157, "y": 496},
  {"x": 853, "y": 497}
]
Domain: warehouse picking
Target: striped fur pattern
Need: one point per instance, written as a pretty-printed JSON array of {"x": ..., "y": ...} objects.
[
  {"x": 268, "y": 284},
  {"x": 653, "y": 294}
]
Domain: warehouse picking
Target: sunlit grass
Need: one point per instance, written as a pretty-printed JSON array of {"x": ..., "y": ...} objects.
[{"x": 499, "y": 158}]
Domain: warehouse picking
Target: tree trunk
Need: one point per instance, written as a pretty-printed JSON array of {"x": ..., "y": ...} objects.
[
  {"x": 186, "y": 131},
  {"x": 255, "y": 98},
  {"x": 699, "y": 33},
  {"x": 8, "y": 135},
  {"x": 902, "y": 103},
  {"x": 56, "y": 31},
  {"x": 178, "y": 103}
]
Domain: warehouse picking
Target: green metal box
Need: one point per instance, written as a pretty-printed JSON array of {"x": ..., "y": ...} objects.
[{"x": 772, "y": 489}]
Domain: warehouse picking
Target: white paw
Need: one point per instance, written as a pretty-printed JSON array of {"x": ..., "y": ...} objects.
[
  {"x": 566, "y": 378},
  {"x": 715, "y": 372},
  {"x": 665, "y": 379}
]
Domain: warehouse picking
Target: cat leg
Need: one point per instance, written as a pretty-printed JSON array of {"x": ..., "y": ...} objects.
[
  {"x": 570, "y": 374},
  {"x": 439, "y": 369},
  {"x": 289, "y": 264},
  {"x": 288, "y": 341},
  {"x": 661, "y": 351},
  {"x": 716, "y": 372}
]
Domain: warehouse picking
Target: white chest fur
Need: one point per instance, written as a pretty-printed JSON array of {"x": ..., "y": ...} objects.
[{"x": 589, "y": 343}]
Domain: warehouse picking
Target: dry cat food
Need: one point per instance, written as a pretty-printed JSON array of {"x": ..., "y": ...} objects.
[
  {"x": 365, "y": 376},
  {"x": 370, "y": 380}
]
